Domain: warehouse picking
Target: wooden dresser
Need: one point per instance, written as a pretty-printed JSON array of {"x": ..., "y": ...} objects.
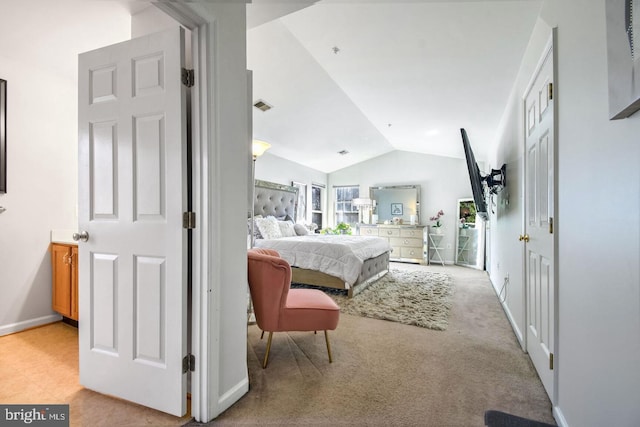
[{"x": 407, "y": 241}]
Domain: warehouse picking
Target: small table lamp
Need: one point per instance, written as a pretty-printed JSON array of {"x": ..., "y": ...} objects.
[
  {"x": 362, "y": 204},
  {"x": 257, "y": 149}
]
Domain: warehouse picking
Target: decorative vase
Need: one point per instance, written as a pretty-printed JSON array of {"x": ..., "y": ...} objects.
[{"x": 437, "y": 230}]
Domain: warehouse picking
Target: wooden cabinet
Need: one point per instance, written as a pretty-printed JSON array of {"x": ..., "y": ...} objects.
[
  {"x": 406, "y": 241},
  {"x": 64, "y": 267}
]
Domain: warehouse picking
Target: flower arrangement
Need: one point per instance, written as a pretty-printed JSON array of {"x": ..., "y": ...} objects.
[
  {"x": 437, "y": 218},
  {"x": 463, "y": 223},
  {"x": 341, "y": 228}
]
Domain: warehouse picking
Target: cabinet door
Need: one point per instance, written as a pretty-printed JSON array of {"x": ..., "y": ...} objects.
[
  {"x": 74, "y": 283},
  {"x": 61, "y": 269}
]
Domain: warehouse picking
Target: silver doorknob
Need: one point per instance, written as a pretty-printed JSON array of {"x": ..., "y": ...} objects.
[{"x": 83, "y": 235}]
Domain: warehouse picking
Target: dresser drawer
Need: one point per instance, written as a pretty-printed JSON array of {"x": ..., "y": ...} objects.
[
  {"x": 396, "y": 252},
  {"x": 368, "y": 231},
  {"x": 388, "y": 232},
  {"x": 411, "y": 232},
  {"x": 411, "y": 252},
  {"x": 406, "y": 242}
]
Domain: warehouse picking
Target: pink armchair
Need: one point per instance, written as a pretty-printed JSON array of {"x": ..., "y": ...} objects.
[{"x": 278, "y": 308}]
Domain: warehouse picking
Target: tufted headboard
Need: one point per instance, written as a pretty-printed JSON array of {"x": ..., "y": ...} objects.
[{"x": 275, "y": 199}]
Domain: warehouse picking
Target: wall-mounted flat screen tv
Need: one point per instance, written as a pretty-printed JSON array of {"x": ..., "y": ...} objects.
[{"x": 475, "y": 177}]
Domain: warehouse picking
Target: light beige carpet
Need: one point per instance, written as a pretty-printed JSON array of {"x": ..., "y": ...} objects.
[{"x": 390, "y": 374}]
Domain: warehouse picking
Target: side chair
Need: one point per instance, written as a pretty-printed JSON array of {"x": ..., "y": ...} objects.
[{"x": 278, "y": 308}]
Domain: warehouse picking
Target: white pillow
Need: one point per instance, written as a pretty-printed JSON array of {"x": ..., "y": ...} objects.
[
  {"x": 286, "y": 229},
  {"x": 301, "y": 230},
  {"x": 269, "y": 227}
]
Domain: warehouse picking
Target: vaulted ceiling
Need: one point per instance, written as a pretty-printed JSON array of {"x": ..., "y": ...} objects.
[
  {"x": 364, "y": 76},
  {"x": 370, "y": 77}
]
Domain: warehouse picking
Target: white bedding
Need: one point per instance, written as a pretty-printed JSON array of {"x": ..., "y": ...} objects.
[{"x": 338, "y": 255}]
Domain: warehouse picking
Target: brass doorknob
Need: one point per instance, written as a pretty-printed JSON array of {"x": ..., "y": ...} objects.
[{"x": 525, "y": 238}]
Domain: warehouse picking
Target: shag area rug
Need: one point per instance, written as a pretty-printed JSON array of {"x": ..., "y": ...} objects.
[{"x": 418, "y": 298}]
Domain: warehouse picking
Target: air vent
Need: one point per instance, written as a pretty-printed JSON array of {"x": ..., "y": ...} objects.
[
  {"x": 343, "y": 152},
  {"x": 262, "y": 106}
]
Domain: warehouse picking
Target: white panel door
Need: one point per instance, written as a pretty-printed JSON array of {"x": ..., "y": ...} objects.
[
  {"x": 538, "y": 237},
  {"x": 132, "y": 193}
]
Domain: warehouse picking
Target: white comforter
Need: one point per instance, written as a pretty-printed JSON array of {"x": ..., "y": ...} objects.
[{"x": 338, "y": 255}]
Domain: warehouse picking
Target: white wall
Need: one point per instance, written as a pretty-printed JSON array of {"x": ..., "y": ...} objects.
[
  {"x": 442, "y": 180},
  {"x": 506, "y": 225},
  {"x": 228, "y": 174},
  {"x": 276, "y": 169},
  {"x": 597, "y": 225},
  {"x": 42, "y": 154}
]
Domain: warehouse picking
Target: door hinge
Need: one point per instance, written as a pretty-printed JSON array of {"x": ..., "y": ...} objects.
[
  {"x": 550, "y": 91},
  {"x": 188, "y": 78},
  {"x": 189, "y": 220},
  {"x": 188, "y": 363},
  {"x": 551, "y": 361},
  {"x": 551, "y": 225}
]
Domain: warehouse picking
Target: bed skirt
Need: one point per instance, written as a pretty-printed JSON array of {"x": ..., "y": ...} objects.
[{"x": 372, "y": 270}]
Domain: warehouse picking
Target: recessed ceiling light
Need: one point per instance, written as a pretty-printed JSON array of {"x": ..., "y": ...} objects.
[
  {"x": 343, "y": 152},
  {"x": 262, "y": 106}
]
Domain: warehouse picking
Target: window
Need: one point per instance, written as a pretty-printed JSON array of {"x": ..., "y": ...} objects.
[
  {"x": 316, "y": 204},
  {"x": 345, "y": 210},
  {"x": 301, "y": 211}
]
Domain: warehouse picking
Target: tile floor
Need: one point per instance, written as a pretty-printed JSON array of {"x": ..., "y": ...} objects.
[{"x": 40, "y": 366}]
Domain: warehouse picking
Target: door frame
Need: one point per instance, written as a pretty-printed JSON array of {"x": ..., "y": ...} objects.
[
  {"x": 200, "y": 333},
  {"x": 219, "y": 257},
  {"x": 550, "y": 47}
]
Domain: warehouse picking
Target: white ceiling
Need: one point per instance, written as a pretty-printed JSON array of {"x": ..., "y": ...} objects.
[{"x": 407, "y": 76}]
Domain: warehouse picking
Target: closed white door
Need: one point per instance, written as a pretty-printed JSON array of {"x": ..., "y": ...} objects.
[
  {"x": 132, "y": 193},
  {"x": 539, "y": 212}
]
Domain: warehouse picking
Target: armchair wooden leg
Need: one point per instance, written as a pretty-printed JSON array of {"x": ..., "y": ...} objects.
[
  {"x": 266, "y": 355},
  {"x": 262, "y": 335},
  {"x": 326, "y": 338}
]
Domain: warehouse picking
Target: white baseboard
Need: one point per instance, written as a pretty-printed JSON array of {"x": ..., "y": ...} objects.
[
  {"x": 233, "y": 395},
  {"x": 514, "y": 325},
  {"x": 28, "y": 324},
  {"x": 557, "y": 414}
]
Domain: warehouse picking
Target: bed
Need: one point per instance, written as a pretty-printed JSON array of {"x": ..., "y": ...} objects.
[{"x": 334, "y": 261}]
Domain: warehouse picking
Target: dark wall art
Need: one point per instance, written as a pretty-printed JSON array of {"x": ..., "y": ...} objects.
[
  {"x": 623, "y": 57},
  {"x": 3, "y": 136}
]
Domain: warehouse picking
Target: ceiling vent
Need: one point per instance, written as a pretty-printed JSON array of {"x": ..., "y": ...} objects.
[
  {"x": 343, "y": 152},
  {"x": 262, "y": 106}
]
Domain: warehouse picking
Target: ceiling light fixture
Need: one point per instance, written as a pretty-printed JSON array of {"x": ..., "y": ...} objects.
[
  {"x": 335, "y": 49},
  {"x": 258, "y": 148},
  {"x": 343, "y": 152}
]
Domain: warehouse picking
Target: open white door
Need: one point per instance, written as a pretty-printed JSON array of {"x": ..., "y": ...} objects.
[
  {"x": 539, "y": 213},
  {"x": 132, "y": 195}
]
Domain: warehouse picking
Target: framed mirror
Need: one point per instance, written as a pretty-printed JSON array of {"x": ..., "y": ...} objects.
[
  {"x": 470, "y": 236},
  {"x": 3, "y": 136},
  {"x": 398, "y": 201}
]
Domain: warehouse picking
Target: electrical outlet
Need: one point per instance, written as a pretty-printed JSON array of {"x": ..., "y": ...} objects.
[{"x": 506, "y": 278}]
